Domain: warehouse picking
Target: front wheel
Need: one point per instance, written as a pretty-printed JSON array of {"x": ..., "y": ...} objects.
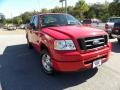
[
  {"x": 46, "y": 62},
  {"x": 29, "y": 44}
]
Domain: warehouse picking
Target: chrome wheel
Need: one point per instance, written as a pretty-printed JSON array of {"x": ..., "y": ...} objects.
[{"x": 46, "y": 62}]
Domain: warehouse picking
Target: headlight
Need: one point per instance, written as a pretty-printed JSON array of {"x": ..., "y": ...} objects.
[{"x": 64, "y": 45}]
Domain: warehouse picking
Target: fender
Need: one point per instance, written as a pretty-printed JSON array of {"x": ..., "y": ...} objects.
[{"x": 47, "y": 41}]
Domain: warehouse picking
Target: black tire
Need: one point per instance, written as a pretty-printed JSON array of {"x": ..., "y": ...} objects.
[
  {"x": 118, "y": 41},
  {"x": 29, "y": 44},
  {"x": 43, "y": 55},
  {"x": 111, "y": 37}
]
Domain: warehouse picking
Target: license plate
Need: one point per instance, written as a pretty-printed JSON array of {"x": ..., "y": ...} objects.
[{"x": 97, "y": 63}]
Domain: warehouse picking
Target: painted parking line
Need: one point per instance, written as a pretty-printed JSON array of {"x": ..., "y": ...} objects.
[
  {"x": 6, "y": 36},
  {"x": 0, "y": 86}
]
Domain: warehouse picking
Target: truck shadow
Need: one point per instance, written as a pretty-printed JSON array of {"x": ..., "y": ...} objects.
[
  {"x": 20, "y": 70},
  {"x": 115, "y": 47}
]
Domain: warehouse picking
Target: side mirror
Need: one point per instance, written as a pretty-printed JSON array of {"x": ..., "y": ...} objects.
[{"x": 32, "y": 25}]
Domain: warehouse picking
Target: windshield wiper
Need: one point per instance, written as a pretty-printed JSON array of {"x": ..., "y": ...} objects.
[
  {"x": 69, "y": 24},
  {"x": 51, "y": 25}
]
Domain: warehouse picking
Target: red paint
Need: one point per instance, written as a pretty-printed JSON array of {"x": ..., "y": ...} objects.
[{"x": 68, "y": 60}]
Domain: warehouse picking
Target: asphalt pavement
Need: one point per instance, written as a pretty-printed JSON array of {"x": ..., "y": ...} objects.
[{"x": 20, "y": 70}]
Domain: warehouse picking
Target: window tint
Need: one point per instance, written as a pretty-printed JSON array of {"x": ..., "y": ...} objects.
[
  {"x": 31, "y": 21},
  {"x": 35, "y": 21},
  {"x": 58, "y": 20}
]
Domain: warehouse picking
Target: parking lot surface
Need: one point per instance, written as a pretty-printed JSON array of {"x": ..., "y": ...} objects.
[{"x": 20, "y": 70}]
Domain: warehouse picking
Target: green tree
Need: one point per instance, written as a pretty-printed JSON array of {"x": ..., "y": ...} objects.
[
  {"x": 44, "y": 10},
  {"x": 82, "y": 7},
  {"x": 26, "y": 17},
  {"x": 8, "y": 21},
  {"x": 57, "y": 10},
  {"x": 98, "y": 10},
  {"x": 81, "y": 10},
  {"x": 114, "y": 8},
  {"x": 2, "y": 18},
  {"x": 17, "y": 20},
  {"x": 70, "y": 10}
]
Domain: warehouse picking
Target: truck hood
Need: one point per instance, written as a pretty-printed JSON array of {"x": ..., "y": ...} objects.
[{"x": 75, "y": 31}]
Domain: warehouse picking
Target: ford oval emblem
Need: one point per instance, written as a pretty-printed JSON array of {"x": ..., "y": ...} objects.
[{"x": 96, "y": 42}]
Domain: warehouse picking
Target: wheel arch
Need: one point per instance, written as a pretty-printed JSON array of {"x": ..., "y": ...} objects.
[{"x": 43, "y": 46}]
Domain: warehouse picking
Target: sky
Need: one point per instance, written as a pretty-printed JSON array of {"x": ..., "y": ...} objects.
[{"x": 11, "y": 8}]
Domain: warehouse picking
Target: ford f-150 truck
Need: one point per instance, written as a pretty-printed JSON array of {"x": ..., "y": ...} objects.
[{"x": 65, "y": 45}]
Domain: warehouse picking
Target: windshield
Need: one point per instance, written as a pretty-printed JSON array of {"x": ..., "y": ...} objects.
[
  {"x": 114, "y": 20},
  {"x": 58, "y": 20}
]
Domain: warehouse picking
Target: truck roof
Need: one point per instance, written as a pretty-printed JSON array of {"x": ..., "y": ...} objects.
[{"x": 49, "y": 13}]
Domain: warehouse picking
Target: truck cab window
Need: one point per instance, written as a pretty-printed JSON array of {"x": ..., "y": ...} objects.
[{"x": 35, "y": 22}]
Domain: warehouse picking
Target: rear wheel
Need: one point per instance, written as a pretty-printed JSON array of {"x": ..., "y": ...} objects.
[
  {"x": 118, "y": 41},
  {"x": 46, "y": 62},
  {"x": 111, "y": 37}
]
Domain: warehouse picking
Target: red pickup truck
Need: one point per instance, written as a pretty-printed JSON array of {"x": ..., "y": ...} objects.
[{"x": 65, "y": 45}]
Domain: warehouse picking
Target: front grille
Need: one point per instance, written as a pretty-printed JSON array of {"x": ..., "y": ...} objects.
[{"x": 92, "y": 42}]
